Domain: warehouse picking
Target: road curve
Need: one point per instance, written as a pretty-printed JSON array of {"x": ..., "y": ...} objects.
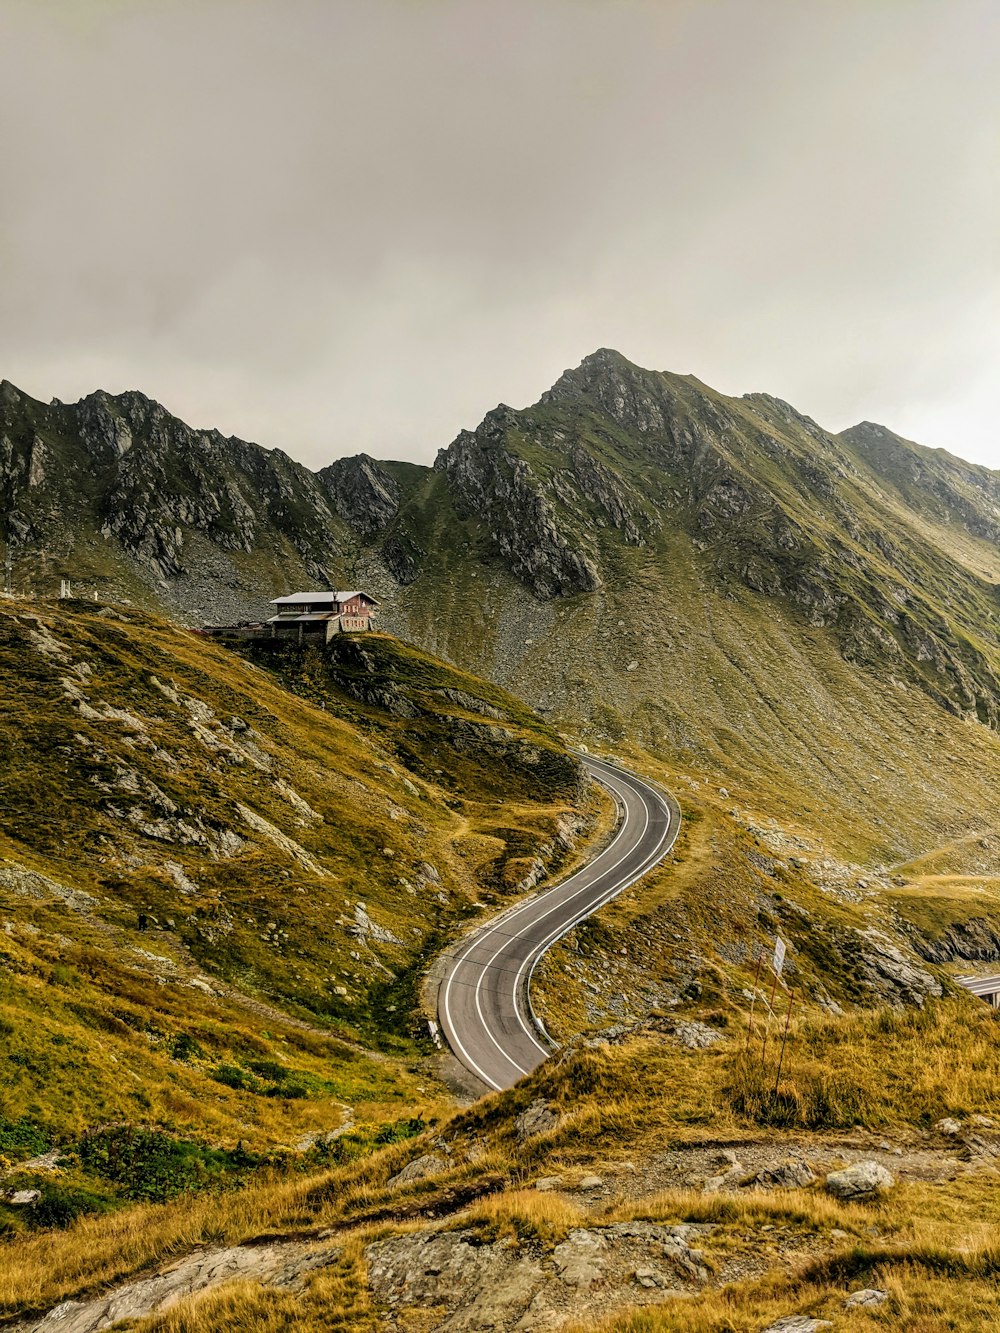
[{"x": 484, "y": 1008}]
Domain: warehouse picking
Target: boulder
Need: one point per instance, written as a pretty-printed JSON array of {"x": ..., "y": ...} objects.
[
  {"x": 651, "y": 1277},
  {"x": 538, "y": 1118},
  {"x": 578, "y": 1258},
  {"x": 549, "y": 1183},
  {"x": 949, "y": 1127},
  {"x": 865, "y": 1299},
  {"x": 419, "y": 1169},
  {"x": 592, "y": 1183},
  {"x": 788, "y": 1175},
  {"x": 696, "y": 1036},
  {"x": 860, "y": 1180}
]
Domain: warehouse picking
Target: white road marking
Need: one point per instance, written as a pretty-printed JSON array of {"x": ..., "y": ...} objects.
[
  {"x": 504, "y": 919},
  {"x": 641, "y": 791},
  {"x": 507, "y": 943}
]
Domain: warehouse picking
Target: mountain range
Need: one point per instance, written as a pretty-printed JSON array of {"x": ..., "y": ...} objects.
[
  {"x": 890, "y": 546},
  {"x": 717, "y": 579},
  {"x": 229, "y": 869}
]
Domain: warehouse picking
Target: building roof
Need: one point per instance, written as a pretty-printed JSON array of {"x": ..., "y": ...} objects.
[{"x": 324, "y": 595}]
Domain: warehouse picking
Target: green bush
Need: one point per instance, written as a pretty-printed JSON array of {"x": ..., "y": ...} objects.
[
  {"x": 184, "y": 1047},
  {"x": 150, "y": 1165},
  {"x": 21, "y": 1139},
  {"x": 60, "y": 1205},
  {"x": 235, "y": 1077},
  {"x": 269, "y": 1069}
]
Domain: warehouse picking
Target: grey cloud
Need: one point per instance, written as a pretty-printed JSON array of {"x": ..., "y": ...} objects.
[{"x": 339, "y": 226}]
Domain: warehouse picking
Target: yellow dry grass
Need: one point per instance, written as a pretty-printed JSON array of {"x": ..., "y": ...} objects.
[{"x": 334, "y": 1299}]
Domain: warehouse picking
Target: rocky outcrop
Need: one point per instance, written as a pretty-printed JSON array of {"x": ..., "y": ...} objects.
[
  {"x": 278, "y": 1264},
  {"x": 538, "y": 1118},
  {"x": 171, "y": 502},
  {"x": 475, "y": 1284},
  {"x": 486, "y": 479},
  {"x": 975, "y": 940},
  {"x": 364, "y": 494},
  {"x": 402, "y": 557},
  {"x": 607, "y": 492}
]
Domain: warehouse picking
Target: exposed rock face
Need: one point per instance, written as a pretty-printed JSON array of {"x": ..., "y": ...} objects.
[
  {"x": 476, "y": 1285},
  {"x": 696, "y": 1036},
  {"x": 606, "y": 490},
  {"x": 881, "y": 969},
  {"x": 538, "y": 1118},
  {"x": 419, "y": 1169},
  {"x": 977, "y": 939},
  {"x": 487, "y": 480},
  {"x": 171, "y": 504},
  {"x": 791, "y": 1174},
  {"x": 279, "y": 1264},
  {"x": 867, "y": 1298},
  {"x": 402, "y": 557},
  {"x": 891, "y": 974},
  {"x": 364, "y": 494}
]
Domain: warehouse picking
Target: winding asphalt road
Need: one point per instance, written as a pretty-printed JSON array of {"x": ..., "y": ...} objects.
[{"x": 484, "y": 1006}]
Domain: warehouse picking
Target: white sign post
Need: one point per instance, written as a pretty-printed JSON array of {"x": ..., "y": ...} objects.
[{"x": 779, "y": 955}]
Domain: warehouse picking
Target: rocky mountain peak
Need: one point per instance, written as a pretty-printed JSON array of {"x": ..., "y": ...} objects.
[
  {"x": 641, "y": 401},
  {"x": 590, "y": 375}
]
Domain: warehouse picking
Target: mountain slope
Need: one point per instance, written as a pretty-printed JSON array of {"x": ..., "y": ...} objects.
[
  {"x": 792, "y": 630},
  {"x": 805, "y": 619},
  {"x": 219, "y": 891}
]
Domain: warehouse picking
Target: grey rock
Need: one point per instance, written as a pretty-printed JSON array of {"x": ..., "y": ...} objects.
[
  {"x": 608, "y": 491},
  {"x": 22, "y": 1197},
  {"x": 364, "y": 494},
  {"x": 538, "y": 1118},
  {"x": 592, "y": 1183},
  {"x": 419, "y": 1169},
  {"x": 866, "y": 1299},
  {"x": 651, "y": 1277},
  {"x": 696, "y": 1036},
  {"x": 403, "y": 557},
  {"x": 791, "y": 1174},
  {"x": 892, "y": 973},
  {"x": 549, "y": 1183},
  {"x": 860, "y": 1180},
  {"x": 486, "y": 1286},
  {"x": 949, "y": 1127},
  {"x": 280, "y": 1264},
  {"x": 578, "y": 1258},
  {"x": 499, "y": 488}
]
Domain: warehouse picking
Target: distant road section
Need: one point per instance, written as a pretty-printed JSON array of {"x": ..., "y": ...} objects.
[{"x": 484, "y": 1008}]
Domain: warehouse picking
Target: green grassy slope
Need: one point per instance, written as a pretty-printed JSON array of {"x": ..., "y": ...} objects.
[{"x": 218, "y": 891}]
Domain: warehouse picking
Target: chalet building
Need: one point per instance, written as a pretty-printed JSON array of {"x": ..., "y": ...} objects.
[{"x": 321, "y": 615}]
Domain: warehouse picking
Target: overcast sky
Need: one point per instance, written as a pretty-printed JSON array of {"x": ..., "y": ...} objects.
[{"x": 344, "y": 225}]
